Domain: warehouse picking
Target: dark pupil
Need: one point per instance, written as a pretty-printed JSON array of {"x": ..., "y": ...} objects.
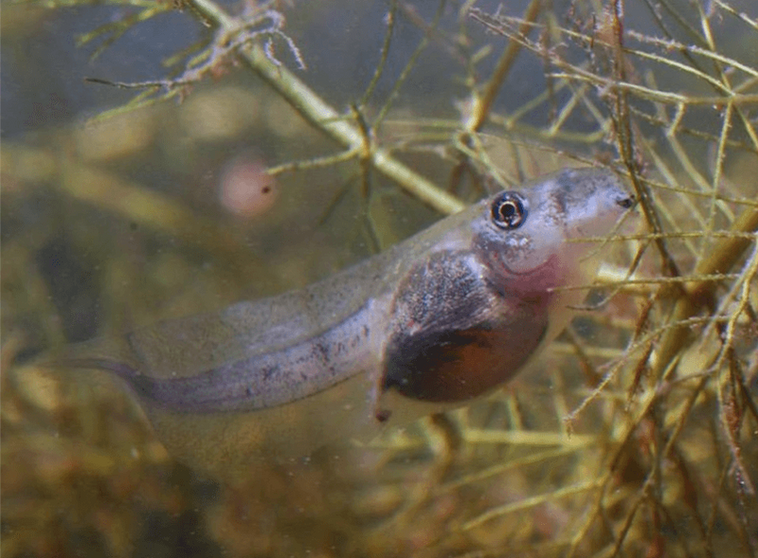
[{"x": 509, "y": 212}]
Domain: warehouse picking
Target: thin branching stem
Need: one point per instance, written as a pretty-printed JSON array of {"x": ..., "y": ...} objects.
[{"x": 326, "y": 119}]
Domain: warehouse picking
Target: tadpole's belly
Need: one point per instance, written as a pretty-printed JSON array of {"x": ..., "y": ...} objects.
[
  {"x": 455, "y": 366},
  {"x": 457, "y": 333}
]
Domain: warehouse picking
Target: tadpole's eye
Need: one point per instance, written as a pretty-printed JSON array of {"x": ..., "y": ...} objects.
[{"x": 509, "y": 211}]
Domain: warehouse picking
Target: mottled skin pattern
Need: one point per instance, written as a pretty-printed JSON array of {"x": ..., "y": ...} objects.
[
  {"x": 444, "y": 317},
  {"x": 457, "y": 333}
]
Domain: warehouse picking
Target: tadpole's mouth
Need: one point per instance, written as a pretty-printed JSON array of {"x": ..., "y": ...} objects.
[{"x": 627, "y": 202}]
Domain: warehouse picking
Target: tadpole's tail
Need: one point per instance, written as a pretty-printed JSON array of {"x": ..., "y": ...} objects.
[
  {"x": 109, "y": 356},
  {"x": 121, "y": 369},
  {"x": 103, "y": 354}
]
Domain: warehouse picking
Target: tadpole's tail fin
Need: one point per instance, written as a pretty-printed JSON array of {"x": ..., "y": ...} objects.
[
  {"x": 76, "y": 375},
  {"x": 103, "y": 354},
  {"x": 121, "y": 369}
]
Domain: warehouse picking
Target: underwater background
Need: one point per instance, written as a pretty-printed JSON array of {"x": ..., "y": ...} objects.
[{"x": 160, "y": 159}]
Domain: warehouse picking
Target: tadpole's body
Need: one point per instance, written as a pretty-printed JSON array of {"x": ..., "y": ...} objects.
[{"x": 432, "y": 323}]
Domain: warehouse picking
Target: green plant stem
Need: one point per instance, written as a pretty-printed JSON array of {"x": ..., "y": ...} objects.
[
  {"x": 483, "y": 103},
  {"x": 325, "y": 118},
  {"x": 724, "y": 256}
]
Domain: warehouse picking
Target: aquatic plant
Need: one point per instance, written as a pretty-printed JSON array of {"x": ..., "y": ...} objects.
[{"x": 636, "y": 434}]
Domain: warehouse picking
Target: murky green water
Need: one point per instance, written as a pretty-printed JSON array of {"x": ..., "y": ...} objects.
[{"x": 634, "y": 435}]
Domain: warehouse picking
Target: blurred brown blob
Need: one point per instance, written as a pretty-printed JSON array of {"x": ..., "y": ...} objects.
[{"x": 245, "y": 189}]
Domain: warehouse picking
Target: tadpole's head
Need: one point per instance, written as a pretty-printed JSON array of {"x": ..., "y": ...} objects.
[{"x": 524, "y": 235}]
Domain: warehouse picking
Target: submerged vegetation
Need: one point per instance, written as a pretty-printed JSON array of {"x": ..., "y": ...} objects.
[{"x": 635, "y": 436}]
